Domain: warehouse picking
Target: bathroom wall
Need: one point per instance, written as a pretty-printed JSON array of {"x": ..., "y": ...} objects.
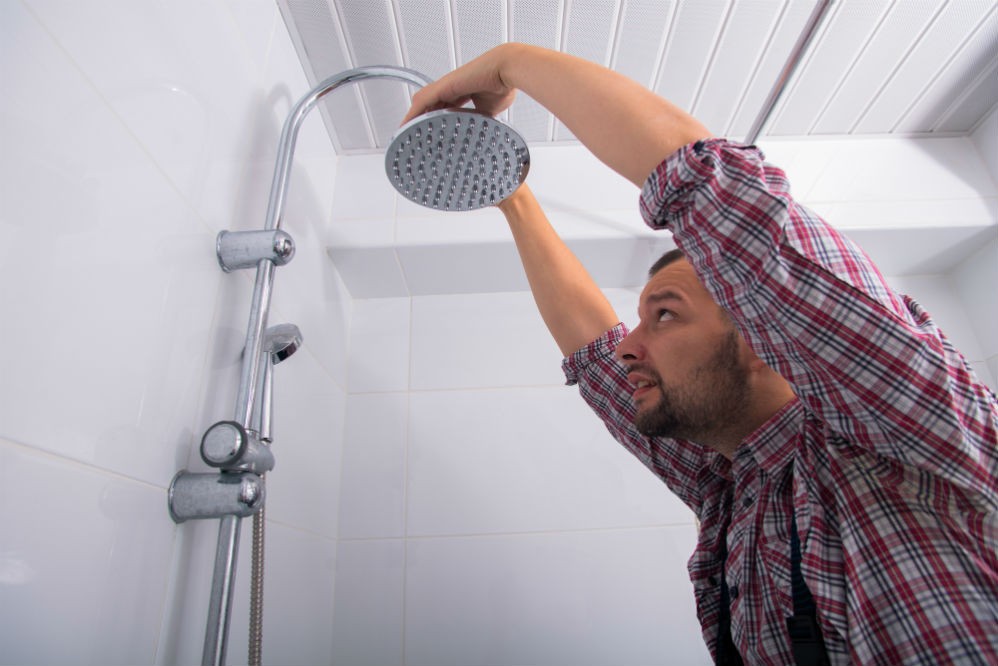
[
  {"x": 486, "y": 517},
  {"x": 132, "y": 133}
]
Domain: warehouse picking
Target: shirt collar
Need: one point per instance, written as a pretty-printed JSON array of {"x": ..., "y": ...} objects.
[{"x": 770, "y": 447}]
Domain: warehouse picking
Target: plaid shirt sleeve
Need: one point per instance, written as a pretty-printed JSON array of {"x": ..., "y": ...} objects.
[
  {"x": 602, "y": 382},
  {"x": 867, "y": 361}
]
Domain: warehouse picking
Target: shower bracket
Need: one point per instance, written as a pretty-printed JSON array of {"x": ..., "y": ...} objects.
[
  {"x": 245, "y": 249},
  {"x": 194, "y": 496},
  {"x": 233, "y": 448}
]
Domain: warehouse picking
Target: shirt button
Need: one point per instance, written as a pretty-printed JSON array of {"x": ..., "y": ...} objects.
[
  {"x": 733, "y": 591},
  {"x": 747, "y": 502}
]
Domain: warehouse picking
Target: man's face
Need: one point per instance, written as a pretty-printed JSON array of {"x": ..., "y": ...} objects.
[{"x": 686, "y": 360}]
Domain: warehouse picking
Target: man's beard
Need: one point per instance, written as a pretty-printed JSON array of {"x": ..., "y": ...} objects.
[{"x": 707, "y": 403}]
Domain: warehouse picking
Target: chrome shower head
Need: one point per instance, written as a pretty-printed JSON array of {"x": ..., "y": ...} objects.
[{"x": 456, "y": 159}]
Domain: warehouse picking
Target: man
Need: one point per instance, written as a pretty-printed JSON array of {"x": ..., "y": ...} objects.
[{"x": 839, "y": 453}]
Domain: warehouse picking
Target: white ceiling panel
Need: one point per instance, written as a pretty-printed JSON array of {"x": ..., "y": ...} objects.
[
  {"x": 905, "y": 67},
  {"x": 589, "y": 33},
  {"x": 690, "y": 45},
  {"x": 536, "y": 22},
  {"x": 848, "y": 28},
  {"x": 738, "y": 51},
  {"x": 877, "y": 60},
  {"x": 776, "y": 51},
  {"x": 926, "y": 62}
]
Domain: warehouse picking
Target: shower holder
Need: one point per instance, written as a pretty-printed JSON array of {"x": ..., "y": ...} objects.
[
  {"x": 245, "y": 249},
  {"x": 198, "y": 496},
  {"x": 231, "y": 447}
]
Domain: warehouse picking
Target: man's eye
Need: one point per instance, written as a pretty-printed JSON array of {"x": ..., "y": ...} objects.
[{"x": 665, "y": 315}]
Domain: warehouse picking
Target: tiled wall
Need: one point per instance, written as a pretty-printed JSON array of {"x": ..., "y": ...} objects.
[{"x": 131, "y": 133}]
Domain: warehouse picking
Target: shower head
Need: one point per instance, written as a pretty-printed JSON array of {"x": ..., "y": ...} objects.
[{"x": 456, "y": 159}]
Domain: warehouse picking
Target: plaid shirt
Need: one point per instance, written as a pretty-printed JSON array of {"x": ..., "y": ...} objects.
[{"x": 889, "y": 455}]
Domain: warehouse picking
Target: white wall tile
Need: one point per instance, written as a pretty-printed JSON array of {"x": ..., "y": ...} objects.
[
  {"x": 936, "y": 295},
  {"x": 84, "y": 562},
  {"x": 367, "y": 623},
  {"x": 298, "y": 594},
  {"x": 472, "y": 340},
  {"x": 571, "y": 177},
  {"x": 190, "y": 107},
  {"x": 113, "y": 318},
  {"x": 976, "y": 283},
  {"x": 309, "y": 291},
  {"x": 614, "y": 597},
  {"x": 985, "y": 138},
  {"x": 523, "y": 460},
  {"x": 372, "y": 483},
  {"x": 379, "y": 345},
  {"x": 302, "y": 489},
  {"x": 479, "y": 267},
  {"x": 362, "y": 188}
]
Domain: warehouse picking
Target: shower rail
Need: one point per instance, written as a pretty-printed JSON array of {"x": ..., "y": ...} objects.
[{"x": 268, "y": 248}]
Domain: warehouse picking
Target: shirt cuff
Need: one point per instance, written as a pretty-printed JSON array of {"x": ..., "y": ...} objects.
[
  {"x": 599, "y": 349},
  {"x": 670, "y": 186}
]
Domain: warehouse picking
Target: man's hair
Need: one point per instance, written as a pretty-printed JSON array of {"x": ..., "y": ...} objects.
[{"x": 669, "y": 257}]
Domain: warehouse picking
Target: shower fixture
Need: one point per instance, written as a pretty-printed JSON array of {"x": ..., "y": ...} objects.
[
  {"x": 459, "y": 160},
  {"x": 456, "y": 159}
]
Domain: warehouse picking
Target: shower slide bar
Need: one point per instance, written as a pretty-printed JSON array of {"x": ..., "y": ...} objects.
[{"x": 241, "y": 448}]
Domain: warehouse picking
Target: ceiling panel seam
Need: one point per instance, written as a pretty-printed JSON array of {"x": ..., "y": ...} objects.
[
  {"x": 352, "y": 62},
  {"x": 666, "y": 37},
  {"x": 986, "y": 73},
  {"x": 615, "y": 40},
  {"x": 953, "y": 56},
  {"x": 715, "y": 47},
  {"x": 942, "y": 68},
  {"x": 897, "y": 68},
  {"x": 790, "y": 86},
  {"x": 751, "y": 79},
  {"x": 852, "y": 66}
]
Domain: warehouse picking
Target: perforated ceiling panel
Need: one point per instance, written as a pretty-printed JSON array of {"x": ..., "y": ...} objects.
[{"x": 873, "y": 67}]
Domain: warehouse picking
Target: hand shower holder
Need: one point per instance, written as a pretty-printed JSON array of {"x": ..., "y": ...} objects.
[
  {"x": 195, "y": 496},
  {"x": 245, "y": 249}
]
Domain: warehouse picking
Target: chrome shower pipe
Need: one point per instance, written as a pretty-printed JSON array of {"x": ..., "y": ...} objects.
[
  {"x": 275, "y": 207},
  {"x": 800, "y": 48},
  {"x": 216, "y": 634}
]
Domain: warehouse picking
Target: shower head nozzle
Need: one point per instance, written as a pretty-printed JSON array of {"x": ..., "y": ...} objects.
[{"x": 456, "y": 159}]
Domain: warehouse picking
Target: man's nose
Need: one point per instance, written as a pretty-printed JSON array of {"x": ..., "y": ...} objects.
[{"x": 630, "y": 348}]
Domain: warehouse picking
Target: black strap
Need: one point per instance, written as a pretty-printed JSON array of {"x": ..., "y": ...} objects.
[
  {"x": 725, "y": 653},
  {"x": 806, "y": 640}
]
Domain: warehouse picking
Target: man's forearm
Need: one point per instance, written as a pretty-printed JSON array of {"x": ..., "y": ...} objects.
[{"x": 573, "y": 307}]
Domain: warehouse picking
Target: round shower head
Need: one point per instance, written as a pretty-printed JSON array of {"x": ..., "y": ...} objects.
[{"x": 456, "y": 159}]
